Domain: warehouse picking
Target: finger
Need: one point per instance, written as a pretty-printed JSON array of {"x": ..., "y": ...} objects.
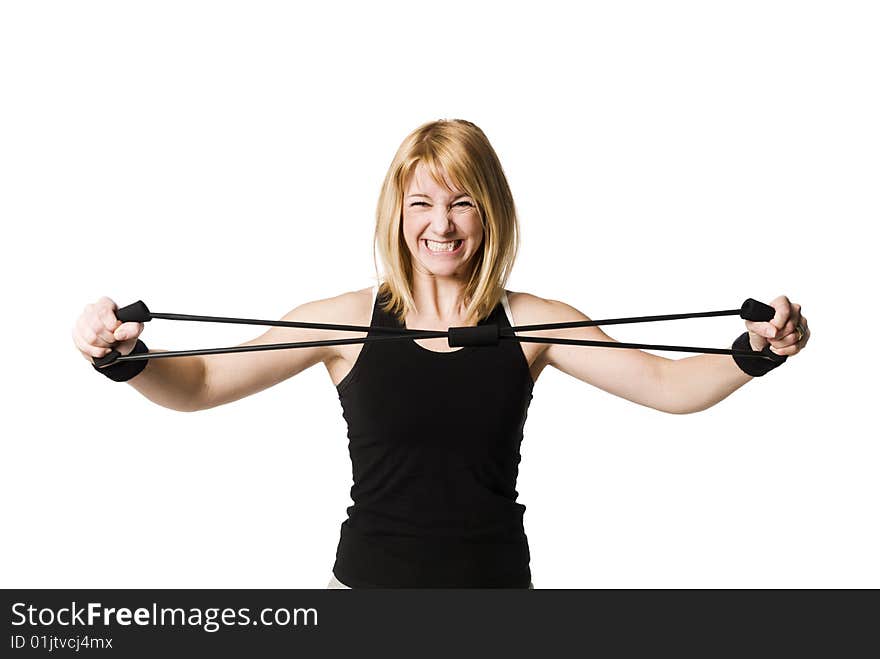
[
  {"x": 91, "y": 323},
  {"x": 791, "y": 345},
  {"x": 86, "y": 334},
  {"x": 796, "y": 317},
  {"x": 786, "y": 345},
  {"x": 89, "y": 351},
  {"x": 786, "y": 351},
  {"x": 761, "y": 328},
  {"x": 90, "y": 331},
  {"x": 789, "y": 334},
  {"x": 108, "y": 318},
  {"x": 106, "y": 302},
  {"x": 806, "y": 338},
  {"x": 785, "y": 341},
  {"x": 104, "y": 335},
  {"x": 801, "y": 327},
  {"x": 783, "y": 311},
  {"x": 101, "y": 343},
  {"x": 806, "y": 329},
  {"x": 788, "y": 330},
  {"x": 128, "y": 331}
]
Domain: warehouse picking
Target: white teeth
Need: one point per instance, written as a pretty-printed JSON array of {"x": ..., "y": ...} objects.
[{"x": 450, "y": 246}]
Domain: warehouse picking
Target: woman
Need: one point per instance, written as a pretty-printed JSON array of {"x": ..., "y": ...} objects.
[{"x": 435, "y": 432}]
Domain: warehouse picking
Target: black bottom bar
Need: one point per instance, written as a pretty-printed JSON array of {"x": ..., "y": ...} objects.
[{"x": 470, "y": 623}]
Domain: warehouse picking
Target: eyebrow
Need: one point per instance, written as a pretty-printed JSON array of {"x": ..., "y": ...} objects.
[{"x": 463, "y": 194}]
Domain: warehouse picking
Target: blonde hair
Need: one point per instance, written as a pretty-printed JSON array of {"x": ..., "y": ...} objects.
[{"x": 461, "y": 151}]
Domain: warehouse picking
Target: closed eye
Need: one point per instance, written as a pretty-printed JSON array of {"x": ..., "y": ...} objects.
[{"x": 424, "y": 203}]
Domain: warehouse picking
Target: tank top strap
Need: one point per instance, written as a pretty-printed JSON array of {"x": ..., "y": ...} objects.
[
  {"x": 500, "y": 315},
  {"x": 381, "y": 318},
  {"x": 506, "y": 319}
]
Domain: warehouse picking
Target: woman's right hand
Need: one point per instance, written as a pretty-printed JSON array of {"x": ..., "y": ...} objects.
[{"x": 97, "y": 331}]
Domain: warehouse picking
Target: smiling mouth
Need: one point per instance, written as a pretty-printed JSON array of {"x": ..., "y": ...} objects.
[{"x": 443, "y": 247}]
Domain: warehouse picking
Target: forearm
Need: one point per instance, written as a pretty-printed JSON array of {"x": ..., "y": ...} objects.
[
  {"x": 176, "y": 383},
  {"x": 694, "y": 384}
]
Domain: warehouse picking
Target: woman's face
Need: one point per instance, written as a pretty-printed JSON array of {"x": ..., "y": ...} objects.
[{"x": 441, "y": 227}]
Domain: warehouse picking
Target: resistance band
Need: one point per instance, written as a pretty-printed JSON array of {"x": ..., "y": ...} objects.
[{"x": 480, "y": 335}]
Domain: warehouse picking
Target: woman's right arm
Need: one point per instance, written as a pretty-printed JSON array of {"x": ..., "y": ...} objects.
[{"x": 188, "y": 384}]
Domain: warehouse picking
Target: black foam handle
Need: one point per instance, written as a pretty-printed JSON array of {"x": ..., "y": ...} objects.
[
  {"x": 135, "y": 312},
  {"x": 758, "y": 311},
  {"x": 107, "y": 359},
  {"x": 481, "y": 335}
]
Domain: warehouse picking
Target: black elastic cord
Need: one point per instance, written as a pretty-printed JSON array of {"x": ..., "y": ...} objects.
[
  {"x": 619, "y": 321},
  {"x": 278, "y": 346},
  {"x": 393, "y": 333},
  {"x": 405, "y": 331},
  {"x": 643, "y": 346},
  {"x": 283, "y": 323},
  {"x": 433, "y": 335}
]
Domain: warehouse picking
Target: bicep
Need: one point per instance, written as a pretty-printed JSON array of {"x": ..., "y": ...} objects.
[
  {"x": 229, "y": 377},
  {"x": 628, "y": 373}
]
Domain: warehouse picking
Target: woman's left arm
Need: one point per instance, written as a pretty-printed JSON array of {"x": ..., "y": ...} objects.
[
  {"x": 676, "y": 386},
  {"x": 699, "y": 382}
]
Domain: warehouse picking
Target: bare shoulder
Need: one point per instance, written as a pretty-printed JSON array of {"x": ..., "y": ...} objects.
[
  {"x": 348, "y": 308},
  {"x": 529, "y": 309}
]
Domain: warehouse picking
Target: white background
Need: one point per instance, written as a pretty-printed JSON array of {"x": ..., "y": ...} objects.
[{"x": 225, "y": 158}]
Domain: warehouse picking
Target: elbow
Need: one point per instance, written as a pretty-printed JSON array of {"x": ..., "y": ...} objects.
[
  {"x": 179, "y": 406},
  {"x": 189, "y": 408},
  {"x": 176, "y": 402},
  {"x": 678, "y": 396},
  {"x": 679, "y": 405},
  {"x": 670, "y": 398},
  {"x": 690, "y": 409},
  {"x": 682, "y": 412},
  {"x": 199, "y": 397},
  {"x": 195, "y": 403},
  {"x": 679, "y": 411}
]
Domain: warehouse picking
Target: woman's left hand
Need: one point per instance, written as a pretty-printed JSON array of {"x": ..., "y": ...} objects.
[{"x": 782, "y": 331}]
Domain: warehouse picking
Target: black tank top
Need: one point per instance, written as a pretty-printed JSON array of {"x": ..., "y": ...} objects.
[{"x": 434, "y": 439}]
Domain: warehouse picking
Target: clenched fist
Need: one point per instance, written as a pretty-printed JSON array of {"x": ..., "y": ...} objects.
[
  {"x": 97, "y": 331},
  {"x": 787, "y": 332}
]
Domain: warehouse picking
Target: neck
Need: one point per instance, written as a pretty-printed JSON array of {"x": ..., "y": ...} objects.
[{"x": 438, "y": 298}]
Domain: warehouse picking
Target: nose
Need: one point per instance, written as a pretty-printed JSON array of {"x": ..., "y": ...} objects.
[{"x": 441, "y": 222}]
